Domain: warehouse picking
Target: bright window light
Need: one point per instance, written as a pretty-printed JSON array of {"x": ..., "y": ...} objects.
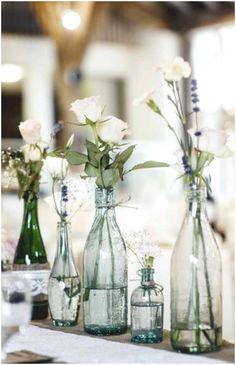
[
  {"x": 71, "y": 20},
  {"x": 11, "y": 73}
]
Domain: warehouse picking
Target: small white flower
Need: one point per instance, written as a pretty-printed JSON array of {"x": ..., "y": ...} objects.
[
  {"x": 79, "y": 195},
  {"x": 144, "y": 98},
  {"x": 113, "y": 130},
  {"x": 142, "y": 245},
  {"x": 31, "y": 152},
  {"x": 90, "y": 108},
  {"x": 149, "y": 248},
  {"x": 175, "y": 70},
  {"x": 30, "y": 131},
  {"x": 57, "y": 167},
  {"x": 212, "y": 141}
]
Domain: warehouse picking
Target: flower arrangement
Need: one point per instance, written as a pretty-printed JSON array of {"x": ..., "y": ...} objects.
[
  {"x": 26, "y": 163},
  {"x": 68, "y": 194},
  {"x": 105, "y": 158},
  {"x": 196, "y": 307},
  {"x": 143, "y": 247},
  {"x": 199, "y": 145}
]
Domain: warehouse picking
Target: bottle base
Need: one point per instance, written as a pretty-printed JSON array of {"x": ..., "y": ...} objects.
[
  {"x": 196, "y": 341},
  {"x": 64, "y": 323},
  {"x": 147, "y": 338},
  {"x": 105, "y": 330}
]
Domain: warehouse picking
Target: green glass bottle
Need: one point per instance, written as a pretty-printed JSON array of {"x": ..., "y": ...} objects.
[{"x": 30, "y": 258}]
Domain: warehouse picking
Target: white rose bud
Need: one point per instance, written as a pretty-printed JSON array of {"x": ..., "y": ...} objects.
[
  {"x": 113, "y": 130},
  {"x": 90, "y": 108},
  {"x": 57, "y": 167},
  {"x": 70, "y": 141},
  {"x": 31, "y": 153},
  {"x": 212, "y": 141},
  {"x": 30, "y": 131}
]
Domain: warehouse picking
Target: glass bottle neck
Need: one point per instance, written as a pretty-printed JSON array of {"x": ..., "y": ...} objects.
[
  {"x": 196, "y": 199},
  {"x": 30, "y": 208},
  {"x": 64, "y": 238},
  {"x": 104, "y": 199},
  {"x": 147, "y": 277}
]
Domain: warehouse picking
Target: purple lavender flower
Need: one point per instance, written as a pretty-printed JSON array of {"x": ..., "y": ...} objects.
[
  {"x": 64, "y": 193},
  {"x": 57, "y": 128},
  {"x": 194, "y": 95},
  {"x": 186, "y": 166}
]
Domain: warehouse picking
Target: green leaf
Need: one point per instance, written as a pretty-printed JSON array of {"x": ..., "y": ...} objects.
[
  {"x": 123, "y": 156},
  {"x": 109, "y": 178},
  {"x": 90, "y": 170},
  {"x": 58, "y": 152},
  {"x": 204, "y": 157},
  {"x": 76, "y": 158},
  {"x": 92, "y": 151},
  {"x": 149, "y": 165}
]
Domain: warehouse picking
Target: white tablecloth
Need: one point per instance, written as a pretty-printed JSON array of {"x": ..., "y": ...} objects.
[{"x": 77, "y": 349}]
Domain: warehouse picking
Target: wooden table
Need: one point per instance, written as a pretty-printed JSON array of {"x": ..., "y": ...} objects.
[{"x": 226, "y": 354}]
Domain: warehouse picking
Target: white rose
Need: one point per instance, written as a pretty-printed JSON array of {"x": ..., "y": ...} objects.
[
  {"x": 30, "y": 131},
  {"x": 57, "y": 167},
  {"x": 212, "y": 141},
  {"x": 31, "y": 153},
  {"x": 90, "y": 108},
  {"x": 176, "y": 70},
  {"x": 113, "y": 130}
]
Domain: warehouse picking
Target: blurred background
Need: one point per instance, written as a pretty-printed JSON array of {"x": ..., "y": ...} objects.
[{"x": 56, "y": 52}]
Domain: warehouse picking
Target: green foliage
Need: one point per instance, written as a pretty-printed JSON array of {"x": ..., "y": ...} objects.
[
  {"x": 149, "y": 165},
  {"x": 102, "y": 161},
  {"x": 27, "y": 173},
  {"x": 76, "y": 158}
]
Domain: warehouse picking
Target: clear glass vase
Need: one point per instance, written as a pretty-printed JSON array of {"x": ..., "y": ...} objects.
[
  {"x": 30, "y": 260},
  {"x": 64, "y": 287},
  {"x": 147, "y": 310},
  {"x": 105, "y": 271},
  {"x": 196, "y": 282}
]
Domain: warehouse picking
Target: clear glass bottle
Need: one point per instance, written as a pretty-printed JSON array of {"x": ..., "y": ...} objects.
[
  {"x": 105, "y": 271},
  {"x": 147, "y": 310},
  {"x": 30, "y": 259},
  {"x": 196, "y": 282},
  {"x": 64, "y": 287}
]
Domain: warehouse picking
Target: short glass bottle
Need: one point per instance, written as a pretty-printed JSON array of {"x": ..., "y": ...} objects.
[
  {"x": 105, "y": 271},
  {"x": 147, "y": 310},
  {"x": 64, "y": 287}
]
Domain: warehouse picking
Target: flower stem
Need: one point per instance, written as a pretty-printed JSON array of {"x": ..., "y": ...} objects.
[
  {"x": 195, "y": 274},
  {"x": 212, "y": 321},
  {"x": 93, "y": 126},
  {"x": 94, "y": 281},
  {"x": 112, "y": 252}
]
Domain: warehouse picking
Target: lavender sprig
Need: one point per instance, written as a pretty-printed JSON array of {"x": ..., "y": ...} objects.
[{"x": 194, "y": 96}]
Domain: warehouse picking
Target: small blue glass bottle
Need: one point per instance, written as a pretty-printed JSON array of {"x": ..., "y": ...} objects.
[{"x": 147, "y": 310}]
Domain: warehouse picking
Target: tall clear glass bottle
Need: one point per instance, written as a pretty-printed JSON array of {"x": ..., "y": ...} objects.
[
  {"x": 64, "y": 286},
  {"x": 30, "y": 259},
  {"x": 196, "y": 283},
  {"x": 105, "y": 271},
  {"x": 147, "y": 310}
]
